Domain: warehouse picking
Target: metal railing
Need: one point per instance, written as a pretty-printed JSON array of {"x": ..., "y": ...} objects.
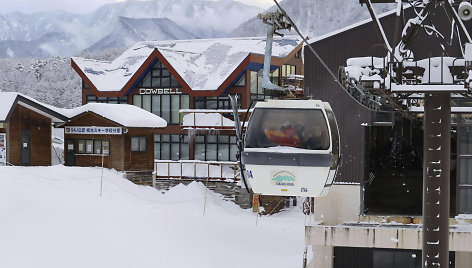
[
  {"x": 198, "y": 120},
  {"x": 196, "y": 169}
]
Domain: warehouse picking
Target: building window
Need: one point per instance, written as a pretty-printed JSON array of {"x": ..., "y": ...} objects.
[
  {"x": 464, "y": 158},
  {"x": 85, "y": 85},
  {"x": 138, "y": 144},
  {"x": 257, "y": 92},
  {"x": 89, "y": 146},
  {"x": 287, "y": 70},
  {"x": 171, "y": 147},
  {"x": 241, "y": 82},
  {"x": 298, "y": 54},
  {"x": 159, "y": 77},
  {"x": 393, "y": 183},
  {"x": 115, "y": 100},
  {"x": 214, "y": 103},
  {"x": 165, "y": 106},
  {"x": 215, "y": 148},
  {"x": 394, "y": 174},
  {"x": 274, "y": 77},
  {"x": 93, "y": 146}
]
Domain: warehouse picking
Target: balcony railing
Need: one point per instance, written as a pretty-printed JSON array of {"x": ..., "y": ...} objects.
[
  {"x": 208, "y": 119},
  {"x": 196, "y": 169}
]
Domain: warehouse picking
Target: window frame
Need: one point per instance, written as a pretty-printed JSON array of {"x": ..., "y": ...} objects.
[
  {"x": 113, "y": 100},
  {"x": 169, "y": 141},
  {"x": 157, "y": 102},
  {"x": 83, "y": 141},
  {"x": 140, "y": 140},
  {"x": 218, "y": 142}
]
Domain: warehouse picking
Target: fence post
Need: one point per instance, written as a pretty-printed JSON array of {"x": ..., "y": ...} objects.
[
  {"x": 208, "y": 170},
  {"x": 154, "y": 179}
]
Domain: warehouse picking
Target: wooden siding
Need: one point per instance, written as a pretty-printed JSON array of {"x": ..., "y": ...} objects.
[
  {"x": 335, "y": 50},
  {"x": 120, "y": 157},
  {"x": 139, "y": 160},
  {"x": 40, "y": 126},
  {"x": 114, "y": 159}
]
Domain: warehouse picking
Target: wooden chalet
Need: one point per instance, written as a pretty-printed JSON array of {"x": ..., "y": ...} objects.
[{"x": 25, "y": 130}]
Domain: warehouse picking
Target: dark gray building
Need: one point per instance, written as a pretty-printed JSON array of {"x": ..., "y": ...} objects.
[{"x": 380, "y": 180}]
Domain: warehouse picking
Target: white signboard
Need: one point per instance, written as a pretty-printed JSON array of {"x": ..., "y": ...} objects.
[
  {"x": 3, "y": 148},
  {"x": 94, "y": 130}
]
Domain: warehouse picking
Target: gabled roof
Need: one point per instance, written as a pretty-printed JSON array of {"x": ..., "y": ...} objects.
[
  {"x": 123, "y": 114},
  {"x": 203, "y": 64},
  {"x": 9, "y": 100}
]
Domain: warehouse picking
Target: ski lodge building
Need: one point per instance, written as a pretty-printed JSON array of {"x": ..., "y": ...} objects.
[
  {"x": 371, "y": 217},
  {"x": 115, "y": 136},
  {"x": 187, "y": 82}
]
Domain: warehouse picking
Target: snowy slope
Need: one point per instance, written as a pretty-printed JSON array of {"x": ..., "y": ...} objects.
[
  {"x": 128, "y": 31},
  {"x": 51, "y": 81},
  {"x": 198, "y": 17},
  {"x": 54, "y": 217},
  {"x": 314, "y": 18}
]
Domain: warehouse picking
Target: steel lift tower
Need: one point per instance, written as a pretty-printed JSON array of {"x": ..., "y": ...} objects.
[{"x": 407, "y": 83}]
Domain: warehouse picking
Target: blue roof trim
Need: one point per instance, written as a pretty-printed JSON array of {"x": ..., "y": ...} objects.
[{"x": 148, "y": 68}]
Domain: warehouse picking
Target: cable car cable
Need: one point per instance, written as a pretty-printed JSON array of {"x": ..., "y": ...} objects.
[{"x": 391, "y": 100}]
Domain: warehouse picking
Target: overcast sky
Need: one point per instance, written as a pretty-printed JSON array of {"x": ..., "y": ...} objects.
[{"x": 80, "y": 6}]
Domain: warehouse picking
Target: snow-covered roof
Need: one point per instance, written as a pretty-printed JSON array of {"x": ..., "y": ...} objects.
[
  {"x": 123, "y": 114},
  {"x": 204, "y": 64},
  {"x": 9, "y": 99},
  {"x": 206, "y": 120}
]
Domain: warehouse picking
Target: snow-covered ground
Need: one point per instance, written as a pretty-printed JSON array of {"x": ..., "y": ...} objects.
[{"x": 55, "y": 217}]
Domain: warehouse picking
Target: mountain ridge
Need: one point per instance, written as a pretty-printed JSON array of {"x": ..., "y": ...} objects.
[{"x": 198, "y": 18}]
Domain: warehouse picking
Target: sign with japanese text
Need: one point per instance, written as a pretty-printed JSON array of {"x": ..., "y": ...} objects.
[{"x": 94, "y": 130}]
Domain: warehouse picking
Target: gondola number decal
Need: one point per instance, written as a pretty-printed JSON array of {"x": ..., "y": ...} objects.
[
  {"x": 249, "y": 174},
  {"x": 284, "y": 178}
]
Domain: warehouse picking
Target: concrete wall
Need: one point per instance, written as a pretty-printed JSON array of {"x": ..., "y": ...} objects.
[
  {"x": 342, "y": 204},
  {"x": 338, "y": 223}
]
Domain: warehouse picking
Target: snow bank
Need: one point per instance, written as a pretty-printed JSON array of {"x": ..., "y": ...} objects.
[{"x": 55, "y": 217}]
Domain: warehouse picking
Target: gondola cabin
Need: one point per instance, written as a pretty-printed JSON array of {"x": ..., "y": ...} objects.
[{"x": 291, "y": 148}]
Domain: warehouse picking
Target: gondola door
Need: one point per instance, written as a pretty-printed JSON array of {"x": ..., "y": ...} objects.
[
  {"x": 70, "y": 153},
  {"x": 25, "y": 154}
]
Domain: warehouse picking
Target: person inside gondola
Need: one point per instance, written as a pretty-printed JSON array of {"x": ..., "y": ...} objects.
[
  {"x": 287, "y": 135},
  {"x": 313, "y": 139}
]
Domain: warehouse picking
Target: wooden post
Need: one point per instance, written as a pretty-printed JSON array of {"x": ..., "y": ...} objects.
[{"x": 255, "y": 203}]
